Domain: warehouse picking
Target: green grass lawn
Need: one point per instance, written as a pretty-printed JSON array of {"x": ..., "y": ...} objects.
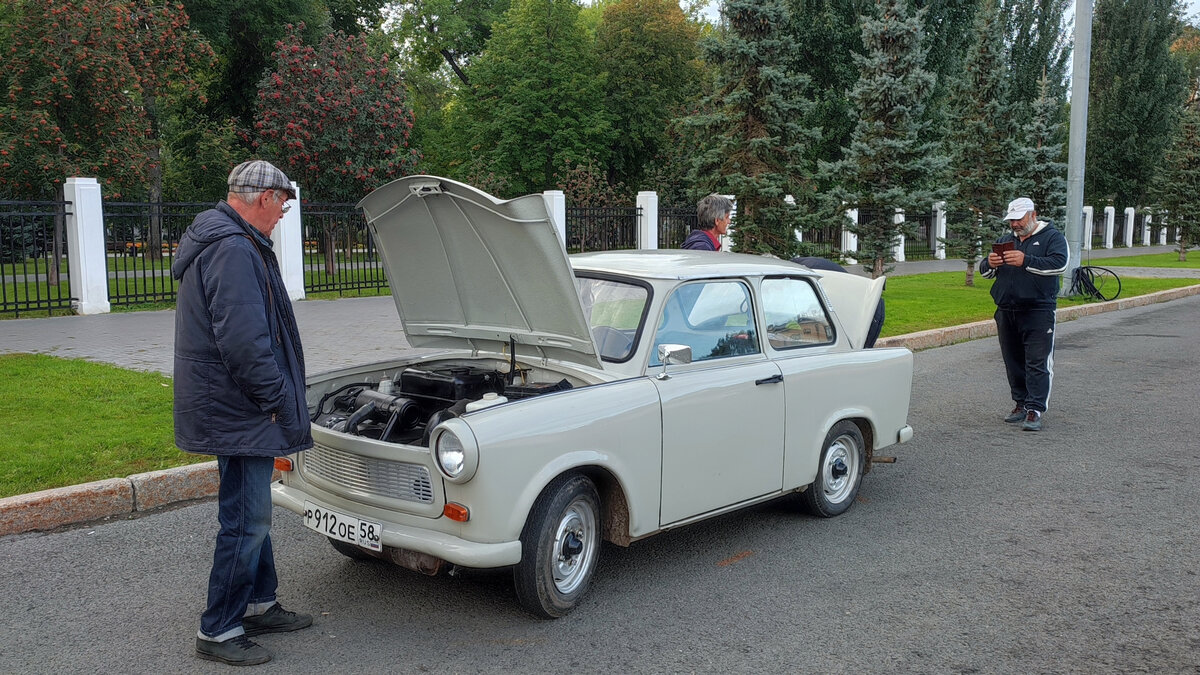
[
  {"x": 1169, "y": 259},
  {"x": 924, "y": 301},
  {"x": 67, "y": 422}
]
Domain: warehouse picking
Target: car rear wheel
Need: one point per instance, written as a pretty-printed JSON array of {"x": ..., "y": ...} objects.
[
  {"x": 560, "y": 546},
  {"x": 839, "y": 474}
]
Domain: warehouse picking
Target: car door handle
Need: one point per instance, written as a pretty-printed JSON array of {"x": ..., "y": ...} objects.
[{"x": 774, "y": 379}]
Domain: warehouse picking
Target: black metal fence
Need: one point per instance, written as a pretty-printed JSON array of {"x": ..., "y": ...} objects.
[
  {"x": 674, "y": 225},
  {"x": 33, "y": 261},
  {"x": 339, "y": 254},
  {"x": 140, "y": 239},
  {"x": 602, "y": 228}
]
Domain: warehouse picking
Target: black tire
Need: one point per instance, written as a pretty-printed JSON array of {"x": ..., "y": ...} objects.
[
  {"x": 839, "y": 473},
  {"x": 560, "y": 547},
  {"x": 349, "y": 550}
]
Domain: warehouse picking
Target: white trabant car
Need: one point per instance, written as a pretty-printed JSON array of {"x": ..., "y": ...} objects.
[{"x": 601, "y": 396}]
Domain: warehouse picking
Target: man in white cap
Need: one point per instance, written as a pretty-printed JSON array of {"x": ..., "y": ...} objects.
[
  {"x": 239, "y": 395},
  {"x": 1026, "y": 263}
]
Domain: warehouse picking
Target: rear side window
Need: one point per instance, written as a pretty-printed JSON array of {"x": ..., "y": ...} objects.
[{"x": 795, "y": 316}]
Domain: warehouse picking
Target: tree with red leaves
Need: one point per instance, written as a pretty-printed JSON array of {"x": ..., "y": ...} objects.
[
  {"x": 81, "y": 78},
  {"x": 334, "y": 117},
  {"x": 84, "y": 82}
]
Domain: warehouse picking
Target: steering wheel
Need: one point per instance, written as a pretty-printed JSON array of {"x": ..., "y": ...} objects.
[{"x": 611, "y": 342}]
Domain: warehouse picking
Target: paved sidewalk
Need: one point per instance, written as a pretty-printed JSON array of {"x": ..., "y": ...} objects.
[{"x": 335, "y": 333}]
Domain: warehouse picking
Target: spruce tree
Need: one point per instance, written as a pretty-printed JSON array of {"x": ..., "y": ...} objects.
[
  {"x": 1040, "y": 172},
  {"x": 1038, "y": 47},
  {"x": 980, "y": 143},
  {"x": 754, "y": 140},
  {"x": 887, "y": 166},
  {"x": 1177, "y": 187}
]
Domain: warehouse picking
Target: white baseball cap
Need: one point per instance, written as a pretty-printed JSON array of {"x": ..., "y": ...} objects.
[{"x": 1018, "y": 207}]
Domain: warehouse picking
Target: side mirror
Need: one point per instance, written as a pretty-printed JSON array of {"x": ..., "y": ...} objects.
[{"x": 677, "y": 354}]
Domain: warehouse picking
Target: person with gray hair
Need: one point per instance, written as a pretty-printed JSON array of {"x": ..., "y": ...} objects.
[
  {"x": 713, "y": 213},
  {"x": 239, "y": 395}
]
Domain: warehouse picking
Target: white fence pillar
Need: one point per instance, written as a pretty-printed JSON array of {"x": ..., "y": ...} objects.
[
  {"x": 1130, "y": 220},
  {"x": 288, "y": 237},
  {"x": 937, "y": 238},
  {"x": 898, "y": 249},
  {"x": 1146, "y": 230},
  {"x": 86, "y": 257},
  {"x": 1087, "y": 228},
  {"x": 647, "y": 235},
  {"x": 1110, "y": 215},
  {"x": 849, "y": 239},
  {"x": 556, "y": 206},
  {"x": 1162, "y": 231}
]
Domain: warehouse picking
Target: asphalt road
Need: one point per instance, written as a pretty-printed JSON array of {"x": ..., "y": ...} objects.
[{"x": 982, "y": 549}]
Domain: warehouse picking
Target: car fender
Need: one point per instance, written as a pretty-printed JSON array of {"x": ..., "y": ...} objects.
[{"x": 523, "y": 445}]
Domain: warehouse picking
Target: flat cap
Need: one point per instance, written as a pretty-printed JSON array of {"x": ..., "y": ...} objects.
[{"x": 258, "y": 175}]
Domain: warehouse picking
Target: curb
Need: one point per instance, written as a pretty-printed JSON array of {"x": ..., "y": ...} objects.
[
  {"x": 100, "y": 500},
  {"x": 56, "y": 507}
]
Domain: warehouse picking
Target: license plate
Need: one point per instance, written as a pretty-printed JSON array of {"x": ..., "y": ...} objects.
[{"x": 342, "y": 527}]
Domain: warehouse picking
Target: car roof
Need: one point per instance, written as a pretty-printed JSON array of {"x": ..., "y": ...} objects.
[{"x": 684, "y": 264}]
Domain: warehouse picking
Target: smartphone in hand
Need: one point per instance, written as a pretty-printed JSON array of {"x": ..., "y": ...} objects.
[{"x": 999, "y": 249}]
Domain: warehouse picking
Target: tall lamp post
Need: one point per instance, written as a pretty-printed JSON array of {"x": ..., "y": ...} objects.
[{"x": 1077, "y": 151}]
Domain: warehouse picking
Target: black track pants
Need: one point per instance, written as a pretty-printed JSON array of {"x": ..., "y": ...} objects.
[{"x": 1027, "y": 344}]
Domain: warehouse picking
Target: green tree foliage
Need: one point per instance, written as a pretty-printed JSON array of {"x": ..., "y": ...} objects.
[
  {"x": 334, "y": 117},
  {"x": 946, "y": 37},
  {"x": 244, "y": 36},
  {"x": 1186, "y": 49},
  {"x": 1177, "y": 187},
  {"x": 981, "y": 143},
  {"x": 751, "y": 126},
  {"x": 1040, "y": 172},
  {"x": 1038, "y": 46},
  {"x": 536, "y": 100},
  {"x": 648, "y": 50},
  {"x": 826, "y": 36},
  {"x": 450, "y": 32},
  {"x": 887, "y": 165},
  {"x": 1136, "y": 89},
  {"x": 85, "y": 81}
]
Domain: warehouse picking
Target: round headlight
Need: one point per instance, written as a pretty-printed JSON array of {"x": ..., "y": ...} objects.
[{"x": 451, "y": 455}]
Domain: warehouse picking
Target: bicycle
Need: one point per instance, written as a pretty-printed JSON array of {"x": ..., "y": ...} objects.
[{"x": 1100, "y": 283}]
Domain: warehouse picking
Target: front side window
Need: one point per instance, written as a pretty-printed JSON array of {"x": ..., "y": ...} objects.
[
  {"x": 714, "y": 318},
  {"x": 795, "y": 317},
  {"x": 614, "y": 310}
]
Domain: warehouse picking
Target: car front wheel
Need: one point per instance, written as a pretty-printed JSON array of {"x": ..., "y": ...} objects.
[
  {"x": 839, "y": 474},
  {"x": 559, "y": 547}
]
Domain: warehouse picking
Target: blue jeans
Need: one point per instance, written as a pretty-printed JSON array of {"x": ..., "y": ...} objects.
[{"x": 243, "y": 571}]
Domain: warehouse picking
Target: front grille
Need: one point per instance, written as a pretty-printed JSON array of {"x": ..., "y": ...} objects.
[{"x": 380, "y": 477}]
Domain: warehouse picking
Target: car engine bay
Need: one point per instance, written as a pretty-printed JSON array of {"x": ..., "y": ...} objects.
[{"x": 407, "y": 409}]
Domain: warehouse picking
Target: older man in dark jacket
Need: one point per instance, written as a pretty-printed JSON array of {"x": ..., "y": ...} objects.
[{"x": 239, "y": 395}]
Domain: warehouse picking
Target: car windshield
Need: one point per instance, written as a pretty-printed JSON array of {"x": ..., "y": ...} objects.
[{"x": 614, "y": 311}]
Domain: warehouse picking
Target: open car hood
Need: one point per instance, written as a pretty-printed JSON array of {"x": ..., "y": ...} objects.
[
  {"x": 853, "y": 299},
  {"x": 470, "y": 271}
]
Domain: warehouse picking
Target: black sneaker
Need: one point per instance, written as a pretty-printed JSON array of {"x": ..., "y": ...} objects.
[
  {"x": 275, "y": 620},
  {"x": 1017, "y": 414},
  {"x": 236, "y": 651},
  {"x": 1033, "y": 421}
]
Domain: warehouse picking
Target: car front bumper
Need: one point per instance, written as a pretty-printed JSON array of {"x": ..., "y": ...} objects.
[{"x": 448, "y": 547}]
